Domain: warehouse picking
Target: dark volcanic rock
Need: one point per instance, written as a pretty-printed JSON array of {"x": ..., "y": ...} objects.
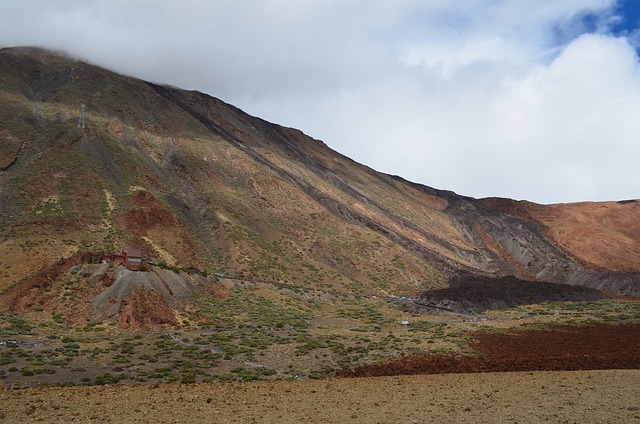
[{"x": 476, "y": 294}]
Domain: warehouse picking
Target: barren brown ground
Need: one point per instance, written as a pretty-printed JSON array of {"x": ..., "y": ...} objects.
[
  {"x": 611, "y": 396},
  {"x": 603, "y": 396}
]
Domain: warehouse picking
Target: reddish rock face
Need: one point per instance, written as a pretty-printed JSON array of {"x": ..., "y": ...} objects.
[{"x": 603, "y": 236}]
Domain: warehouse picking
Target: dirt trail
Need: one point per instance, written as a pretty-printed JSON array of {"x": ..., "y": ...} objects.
[{"x": 580, "y": 396}]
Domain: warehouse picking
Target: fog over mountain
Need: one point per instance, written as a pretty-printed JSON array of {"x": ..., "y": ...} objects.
[{"x": 532, "y": 101}]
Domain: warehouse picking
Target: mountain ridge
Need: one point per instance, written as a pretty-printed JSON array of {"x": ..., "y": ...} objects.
[{"x": 195, "y": 182}]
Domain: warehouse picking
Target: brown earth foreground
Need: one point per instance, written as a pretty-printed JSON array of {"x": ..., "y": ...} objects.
[
  {"x": 607, "y": 396},
  {"x": 611, "y": 396}
]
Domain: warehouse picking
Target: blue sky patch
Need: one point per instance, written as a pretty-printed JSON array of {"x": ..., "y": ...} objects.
[{"x": 629, "y": 13}]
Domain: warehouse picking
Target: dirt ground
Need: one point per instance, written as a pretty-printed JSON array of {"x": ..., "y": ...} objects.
[
  {"x": 557, "y": 395},
  {"x": 611, "y": 396},
  {"x": 555, "y": 349}
]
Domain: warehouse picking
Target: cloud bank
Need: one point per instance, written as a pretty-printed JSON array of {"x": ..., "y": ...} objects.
[{"x": 529, "y": 100}]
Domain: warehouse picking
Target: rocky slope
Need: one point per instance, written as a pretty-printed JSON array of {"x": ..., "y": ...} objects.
[
  {"x": 603, "y": 236},
  {"x": 195, "y": 182}
]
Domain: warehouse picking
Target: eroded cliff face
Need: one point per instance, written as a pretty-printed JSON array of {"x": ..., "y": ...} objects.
[
  {"x": 594, "y": 244},
  {"x": 602, "y": 236}
]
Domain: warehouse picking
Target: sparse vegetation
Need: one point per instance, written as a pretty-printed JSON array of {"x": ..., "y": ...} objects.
[
  {"x": 315, "y": 243},
  {"x": 246, "y": 329}
]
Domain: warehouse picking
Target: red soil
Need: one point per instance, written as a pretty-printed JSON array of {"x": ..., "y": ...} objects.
[
  {"x": 564, "y": 348},
  {"x": 32, "y": 291},
  {"x": 146, "y": 310}
]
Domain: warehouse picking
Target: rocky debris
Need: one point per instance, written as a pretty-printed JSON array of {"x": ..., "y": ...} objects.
[
  {"x": 136, "y": 300},
  {"x": 475, "y": 293},
  {"x": 147, "y": 300},
  {"x": 145, "y": 309}
]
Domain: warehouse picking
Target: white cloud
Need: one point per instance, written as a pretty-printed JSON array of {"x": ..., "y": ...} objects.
[{"x": 485, "y": 97}]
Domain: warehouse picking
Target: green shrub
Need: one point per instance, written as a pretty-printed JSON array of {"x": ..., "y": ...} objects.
[{"x": 188, "y": 378}]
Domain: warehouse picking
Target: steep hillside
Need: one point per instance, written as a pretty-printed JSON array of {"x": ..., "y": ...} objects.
[
  {"x": 602, "y": 236},
  {"x": 93, "y": 161}
]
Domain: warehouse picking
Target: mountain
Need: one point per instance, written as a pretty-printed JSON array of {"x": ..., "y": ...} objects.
[{"x": 92, "y": 162}]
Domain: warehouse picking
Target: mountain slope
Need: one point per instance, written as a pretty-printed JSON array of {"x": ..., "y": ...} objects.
[
  {"x": 195, "y": 182},
  {"x": 601, "y": 235}
]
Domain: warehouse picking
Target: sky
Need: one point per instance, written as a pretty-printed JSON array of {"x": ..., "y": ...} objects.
[{"x": 535, "y": 101}]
